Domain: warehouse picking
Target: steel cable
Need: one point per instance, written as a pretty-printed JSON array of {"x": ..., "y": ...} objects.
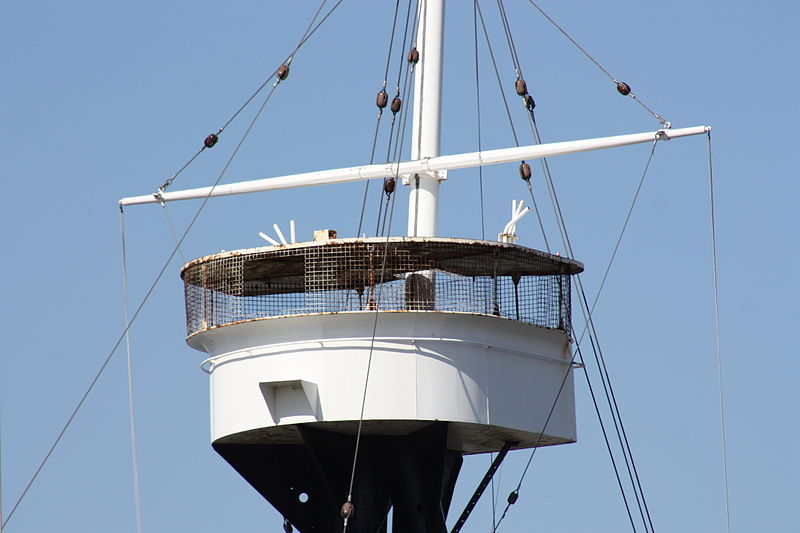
[
  {"x": 480, "y": 147},
  {"x": 658, "y": 117},
  {"x": 378, "y": 121},
  {"x": 306, "y": 35},
  {"x": 135, "y": 315},
  {"x": 717, "y": 349},
  {"x": 137, "y": 496}
]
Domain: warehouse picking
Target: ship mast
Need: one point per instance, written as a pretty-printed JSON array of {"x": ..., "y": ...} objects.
[
  {"x": 359, "y": 371},
  {"x": 423, "y": 201}
]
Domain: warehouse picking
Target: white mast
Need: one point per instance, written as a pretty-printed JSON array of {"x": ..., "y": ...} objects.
[{"x": 423, "y": 202}]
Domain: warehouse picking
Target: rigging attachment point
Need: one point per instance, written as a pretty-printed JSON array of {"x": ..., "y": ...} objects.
[
  {"x": 283, "y": 71},
  {"x": 397, "y": 103},
  {"x": 389, "y": 186},
  {"x": 382, "y": 99},
  {"x": 623, "y": 88},
  {"x": 521, "y": 87},
  {"x": 513, "y": 497},
  {"x": 413, "y": 56},
  {"x": 662, "y": 135},
  {"x": 287, "y": 526},
  {"x": 347, "y": 510},
  {"x": 211, "y": 140},
  {"x": 528, "y": 102},
  {"x": 525, "y": 171}
]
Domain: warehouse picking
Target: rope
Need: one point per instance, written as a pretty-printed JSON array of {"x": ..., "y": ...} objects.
[
  {"x": 658, "y": 117},
  {"x": 717, "y": 339},
  {"x": 135, "y": 314},
  {"x": 137, "y": 495}
]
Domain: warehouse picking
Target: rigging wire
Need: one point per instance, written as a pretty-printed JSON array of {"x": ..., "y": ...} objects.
[
  {"x": 622, "y": 87},
  {"x": 137, "y": 495},
  {"x": 494, "y": 495},
  {"x": 212, "y": 139},
  {"x": 623, "y": 439},
  {"x": 512, "y": 48},
  {"x": 513, "y": 496},
  {"x": 399, "y": 142},
  {"x": 608, "y": 388},
  {"x": 158, "y": 277},
  {"x": 605, "y": 436},
  {"x": 497, "y": 74},
  {"x": 589, "y": 325},
  {"x": 380, "y": 115},
  {"x": 396, "y": 142},
  {"x": 630, "y": 465},
  {"x": 621, "y": 235},
  {"x": 138, "y": 310},
  {"x": 347, "y": 508},
  {"x": 508, "y": 114},
  {"x": 307, "y": 35},
  {"x": 1, "y": 468},
  {"x": 480, "y": 148},
  {"x": 717, "y": 350},
  {"x": 171, "y": 230}
]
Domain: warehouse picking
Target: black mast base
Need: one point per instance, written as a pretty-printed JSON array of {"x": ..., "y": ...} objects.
[{"x": 413, "y": 474}]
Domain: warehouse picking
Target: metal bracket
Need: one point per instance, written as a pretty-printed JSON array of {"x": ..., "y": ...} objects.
[
  {"x": 440, "y": 175},
  {"x": 159, "y": 196}
]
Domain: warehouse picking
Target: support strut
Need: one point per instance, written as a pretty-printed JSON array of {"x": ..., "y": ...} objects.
[{"x": 482, "y": 486}]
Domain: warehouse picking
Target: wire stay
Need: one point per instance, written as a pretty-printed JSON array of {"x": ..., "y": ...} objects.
[{"x": 717, "y": 348}]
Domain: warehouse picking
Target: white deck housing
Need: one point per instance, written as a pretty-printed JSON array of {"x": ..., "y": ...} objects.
[{"x": 473, "y": 333}]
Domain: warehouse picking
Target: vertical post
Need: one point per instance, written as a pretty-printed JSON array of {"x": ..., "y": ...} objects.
[{"x": 423, "y": 199}]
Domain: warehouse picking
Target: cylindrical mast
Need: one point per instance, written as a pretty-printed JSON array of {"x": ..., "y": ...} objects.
[{"x": 424, "y": 196}]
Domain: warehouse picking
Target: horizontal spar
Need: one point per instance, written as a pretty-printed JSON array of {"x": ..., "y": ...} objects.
[{"x": 408, "y": 168}]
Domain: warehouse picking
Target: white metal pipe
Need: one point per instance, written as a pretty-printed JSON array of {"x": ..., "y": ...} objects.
[
  {"x": 292, "y": 232},
  {"x": 423, "y": 201},
  {"x": 516, "y": 218},
  {"x": 279, "y": 233},
  {"x": 267, "y": 238},
  {"x": 409, "y": 168}
]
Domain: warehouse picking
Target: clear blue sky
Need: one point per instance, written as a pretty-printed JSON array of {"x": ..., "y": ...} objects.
[{"x": 107, "y": 99}]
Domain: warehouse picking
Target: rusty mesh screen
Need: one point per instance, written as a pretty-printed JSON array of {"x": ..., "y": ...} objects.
[{"x": 401, "y": 274}]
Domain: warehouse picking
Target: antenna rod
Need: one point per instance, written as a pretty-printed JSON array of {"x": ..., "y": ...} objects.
[{"x": 423, "y": 200}]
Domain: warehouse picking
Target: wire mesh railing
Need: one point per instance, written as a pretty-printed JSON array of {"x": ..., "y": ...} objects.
[{"x": 362, "y": 275}]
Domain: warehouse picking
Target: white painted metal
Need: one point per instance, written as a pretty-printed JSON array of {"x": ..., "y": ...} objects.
[
  {"x": 279, "y": 233},
  {"x": 492, "y": 378},
  {"x": 408, "y": 168},
  {"x": 269, "y": 239},
  {"x": 423, "y": 201}
]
